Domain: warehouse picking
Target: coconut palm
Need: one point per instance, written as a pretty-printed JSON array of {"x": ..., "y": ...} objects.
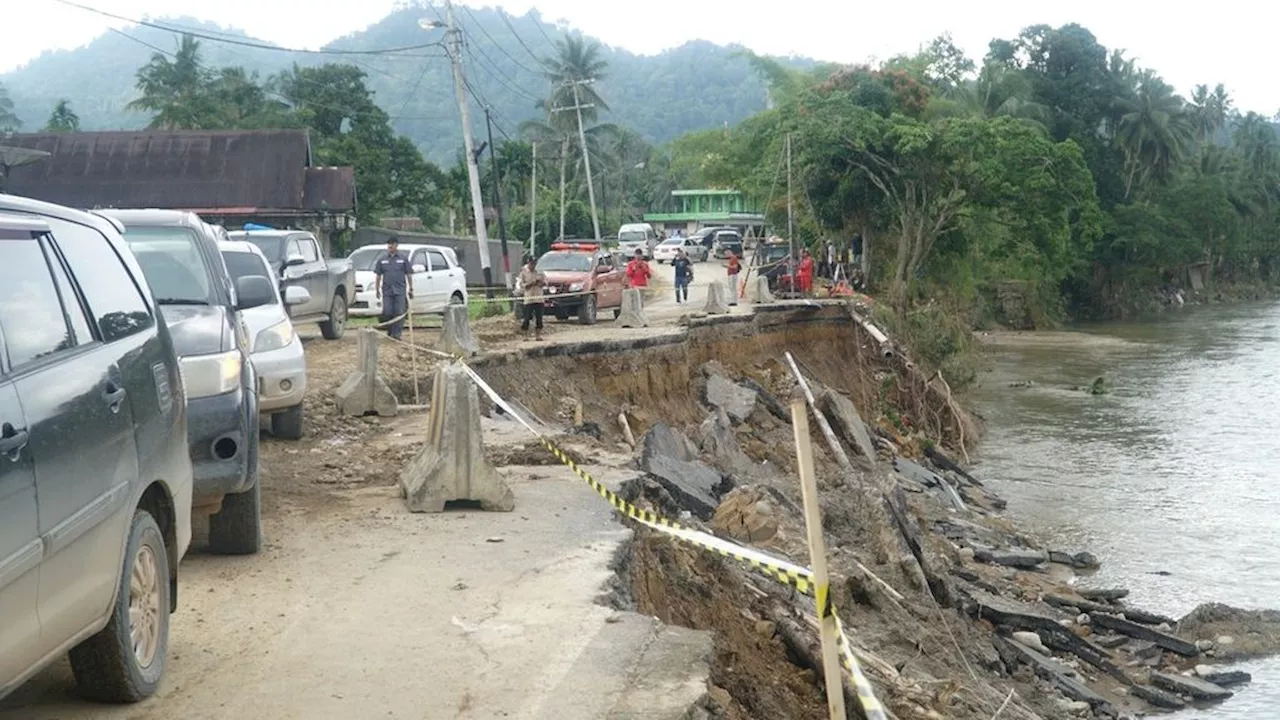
[
  {"x": 175, "y": 90},
  {"x": 1153, "y": 133},
  {"x": 1209, "y": 111},
  {"x": 63, "y": 118},
  {"x": 8, "y": 120}
]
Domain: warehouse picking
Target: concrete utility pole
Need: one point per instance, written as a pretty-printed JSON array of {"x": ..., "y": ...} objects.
[
  {"x": 533, "y": 203},
  {"x": 791, "y": 230},
  {"x": 497, "y": 201},
  {"x": 473, "y": 171},
  {"x": 586, "y": 156}
]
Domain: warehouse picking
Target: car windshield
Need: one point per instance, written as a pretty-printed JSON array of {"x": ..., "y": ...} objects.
[
  {"x": 171, "y": 261},
  {"x": 631, "y": 236},
  {"x": 674, "y": 241},
  {"x": 565, "y": 261},
  {"x": 244, "y": 264},
  {"x": 271, "y": 245},
  {"x": 367, "y": 257}
]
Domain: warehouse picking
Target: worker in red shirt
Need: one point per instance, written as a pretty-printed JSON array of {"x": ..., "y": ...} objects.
[
  {"x": 735, "y": 267},
  {"x": 806, "y": 272},
  {"x": 638, "y": 272}
]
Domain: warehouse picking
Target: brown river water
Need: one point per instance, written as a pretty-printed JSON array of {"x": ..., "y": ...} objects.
[{"x": 1170, "y": 478}]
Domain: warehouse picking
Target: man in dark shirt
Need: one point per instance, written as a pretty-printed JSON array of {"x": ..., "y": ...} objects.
[
  {"x": 393, "y": 286},
  {"x": 684, "y": 275}
]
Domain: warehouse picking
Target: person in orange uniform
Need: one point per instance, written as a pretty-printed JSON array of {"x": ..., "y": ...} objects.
[
  {"x": 806, "y": 272},
  {"x": 638, "y": 271},
  {"x": 735, "y": 267}
]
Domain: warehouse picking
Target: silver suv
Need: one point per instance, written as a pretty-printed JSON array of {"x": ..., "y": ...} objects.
[{"x": 95, "y": 479}]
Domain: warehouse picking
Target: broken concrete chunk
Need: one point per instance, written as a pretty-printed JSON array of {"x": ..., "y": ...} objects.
[
  {"x": 1147, "y": 618},
  {"x": 1223, "y": 677},
  {"x": 1158, "y": 698},
  {"x": 847, "y": 422},
  {"x": 1103, "y": 594},
  {"x": 721, "y": 445},
  {"x": 747, "y": 514},
  {"x": 662, "y": 440},
  {"x": 1023, "y": 558},
  {"x": 1197, "y": 688},
  {"x": 694, "y": 486},
  {"x": 1142, "y": 632},
  {"x": 734, "y": 399},
  {"x": 1055, "y": 672},
  {"x": 1031, "y": 640}
]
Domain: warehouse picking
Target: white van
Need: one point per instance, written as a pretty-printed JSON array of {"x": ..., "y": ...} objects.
[{"x": 637, "y": 236}]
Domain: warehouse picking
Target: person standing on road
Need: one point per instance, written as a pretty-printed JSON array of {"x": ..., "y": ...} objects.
[
  {"x": 806, "y": 272},
  {"x": 735, "y": 267},
  {"x": 532, "y": 281},
  {"x": 684, "y": 275},
  {"x": 638, "y": 271},
  {"x": 392, "y": 287}
]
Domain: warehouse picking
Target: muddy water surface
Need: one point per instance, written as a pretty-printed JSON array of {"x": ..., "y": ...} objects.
[{"x": 1171, "y": 478}]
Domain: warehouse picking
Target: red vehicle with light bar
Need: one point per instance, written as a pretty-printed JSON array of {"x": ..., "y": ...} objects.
[{"x": 582, "y": 279}]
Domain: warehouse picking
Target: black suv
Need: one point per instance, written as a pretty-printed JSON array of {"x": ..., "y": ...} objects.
[
  {"x": 179, "y": 255},
  {"x": 95, "y": 477}
]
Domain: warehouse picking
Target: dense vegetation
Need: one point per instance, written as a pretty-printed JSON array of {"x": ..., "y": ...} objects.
[
  {"x": 1057, "y": 174},
  {"x": 698, "y": 85}
]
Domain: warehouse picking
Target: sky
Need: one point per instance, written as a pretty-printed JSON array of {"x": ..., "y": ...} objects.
[{"x": 1198, "y": 44}]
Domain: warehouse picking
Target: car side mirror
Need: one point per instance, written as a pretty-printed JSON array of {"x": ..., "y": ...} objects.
[
  {"x": 253, "y": 291},
  {"x": 419, "y": 268},
  {"x": 294, "y": 261},
  {"x": 296, "y": 295}
]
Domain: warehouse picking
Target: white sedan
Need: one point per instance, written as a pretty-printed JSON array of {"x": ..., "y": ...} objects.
[
  {"x": 666, "y": 251},
  {"x": 438, "y": 279}
]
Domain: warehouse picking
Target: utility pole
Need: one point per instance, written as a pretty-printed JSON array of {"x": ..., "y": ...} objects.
[
  {"x": 586, "y": 156},
  {"x": 497, "y": 201},
  {"x": 791, "y": 230},
  {"x": 473, "y": 171},
  {"x": 533, "y": 203}
]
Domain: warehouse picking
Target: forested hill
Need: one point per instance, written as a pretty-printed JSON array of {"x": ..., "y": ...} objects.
[{"x": 697, "y": 86}]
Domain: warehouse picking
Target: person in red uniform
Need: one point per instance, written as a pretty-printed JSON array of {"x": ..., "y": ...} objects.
[
  {"x": 638, "y": 272},
  {"x": 806, "y": 272}
]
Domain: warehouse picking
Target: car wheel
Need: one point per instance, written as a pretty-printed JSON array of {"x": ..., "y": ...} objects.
[
  {"x": 333, "y": 328},
  {"x": 287, "y": 424},
  {"x": 236, "y": 529},
  {"x": 587, "y": 311},
  {"x": 125, "y": 660}
]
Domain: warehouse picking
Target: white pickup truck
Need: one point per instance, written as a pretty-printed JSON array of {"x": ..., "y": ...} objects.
[{"x": 438, "y": 280}]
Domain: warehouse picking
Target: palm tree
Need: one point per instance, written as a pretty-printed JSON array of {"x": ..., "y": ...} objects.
[
  {"x": 1003, "y": 91},
  {"x": 1153, "y": 132},
  {"x": 1209, "y": 111},
  {"x": 63, "y": 119},
  {"x": 8, "y": 120},
  {"x": 175, "y": 90}
]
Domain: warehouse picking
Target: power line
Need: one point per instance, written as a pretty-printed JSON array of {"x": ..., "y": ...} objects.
[
  {"x": 215, "y": 37},
  {"x": 495, "y": 43},
  {"x": 541, "y": 29},
  {"x": 501, "y": 77},
  {"x": 511, "y": 26}
]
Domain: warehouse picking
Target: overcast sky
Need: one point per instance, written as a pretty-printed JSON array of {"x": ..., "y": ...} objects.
[{"x": 1196, "y": 43}]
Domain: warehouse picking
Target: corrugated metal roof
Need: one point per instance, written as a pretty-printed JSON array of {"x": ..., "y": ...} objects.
[
  {"x": 182, "y": 169},
  {"x": 330, "y": 188}
]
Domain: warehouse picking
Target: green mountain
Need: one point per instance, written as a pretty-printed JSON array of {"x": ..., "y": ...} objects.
[{"x": 696, "y": 86}]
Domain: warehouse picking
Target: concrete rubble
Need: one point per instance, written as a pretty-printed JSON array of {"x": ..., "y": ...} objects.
[
  {"x": 632, "y": 314},
  {"x": 452, "y": 465},
  {"x": 364, "y": 392},
  {"x": 455, "y": 335},
  {"x": 669, "y": 458},
  {"x": 737, "y": 401}
]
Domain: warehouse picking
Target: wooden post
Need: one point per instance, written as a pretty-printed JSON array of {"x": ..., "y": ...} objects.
[
  {"x": 828, "y": 630},
  {"x": 837, "y": 450},
  {"x": 413, "y": 356}
]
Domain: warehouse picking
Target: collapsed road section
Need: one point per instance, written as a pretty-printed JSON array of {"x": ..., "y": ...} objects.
[{"x": 952, "y": 611}]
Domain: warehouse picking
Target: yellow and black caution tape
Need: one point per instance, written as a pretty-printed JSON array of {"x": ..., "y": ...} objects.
[{"x": 795, "y": 576}]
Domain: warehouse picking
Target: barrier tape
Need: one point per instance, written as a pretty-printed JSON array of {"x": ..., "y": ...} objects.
[{"x": 794, "y": 576}]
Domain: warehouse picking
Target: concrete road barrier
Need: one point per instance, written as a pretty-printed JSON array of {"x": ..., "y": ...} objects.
[{"x": 364, "y": 391}]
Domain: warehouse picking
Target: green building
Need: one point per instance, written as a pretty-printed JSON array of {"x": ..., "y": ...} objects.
[{"x": 689, "y": 210}]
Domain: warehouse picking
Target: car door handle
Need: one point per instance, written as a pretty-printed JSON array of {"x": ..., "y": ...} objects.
[
  {"x": 12, "y": 441},
  {"x": 113, "y": 396}
]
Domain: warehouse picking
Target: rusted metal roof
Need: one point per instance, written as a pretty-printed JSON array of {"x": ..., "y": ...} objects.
[
  {"x": 179, "y": 170},
  {"x": 330, "y": 189}
]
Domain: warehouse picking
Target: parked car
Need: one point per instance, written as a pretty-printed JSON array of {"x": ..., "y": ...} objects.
[
  {"x": 666, "y": 252},
  {"x": 706, "y": 236},
  {"x": 95, "y": 478},
  {"x": 178, "y": 253},
  {"x": 582, "y": 279},
  {"x": 724, "y": 241},
  {"x": 438, "y": 279},
  {"x": 295, "y": 259},
  {"x": 637, "y": 236},
  {"x": 275, "y": 349}
]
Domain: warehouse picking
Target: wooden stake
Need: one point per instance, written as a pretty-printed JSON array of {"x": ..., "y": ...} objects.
[
  {"x": 828, "y": 632},
  {"x": 413, "y": 356}
]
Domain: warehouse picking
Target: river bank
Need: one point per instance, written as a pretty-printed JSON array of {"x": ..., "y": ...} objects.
[{"x": 953, "y": 608}]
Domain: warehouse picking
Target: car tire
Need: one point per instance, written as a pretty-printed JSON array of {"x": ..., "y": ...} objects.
[
  {"x": 336, "y": 325},
  {"x": 287, "y": 424},
  {"x": 124, "y": 661},
  {"x": 236, "y": 529},
  {"x": 587, "y": 311}
]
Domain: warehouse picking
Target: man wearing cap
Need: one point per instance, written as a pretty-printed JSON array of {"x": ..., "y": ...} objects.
[
  {"x": 532, "y": 281},
  {"x": 393, "y": 286}
]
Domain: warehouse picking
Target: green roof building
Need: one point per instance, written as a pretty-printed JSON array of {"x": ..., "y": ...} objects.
[{"x": 689, "y": 210}]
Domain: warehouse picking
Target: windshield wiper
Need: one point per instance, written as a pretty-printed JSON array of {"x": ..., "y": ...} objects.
[{"x": 180, "y": 301}]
